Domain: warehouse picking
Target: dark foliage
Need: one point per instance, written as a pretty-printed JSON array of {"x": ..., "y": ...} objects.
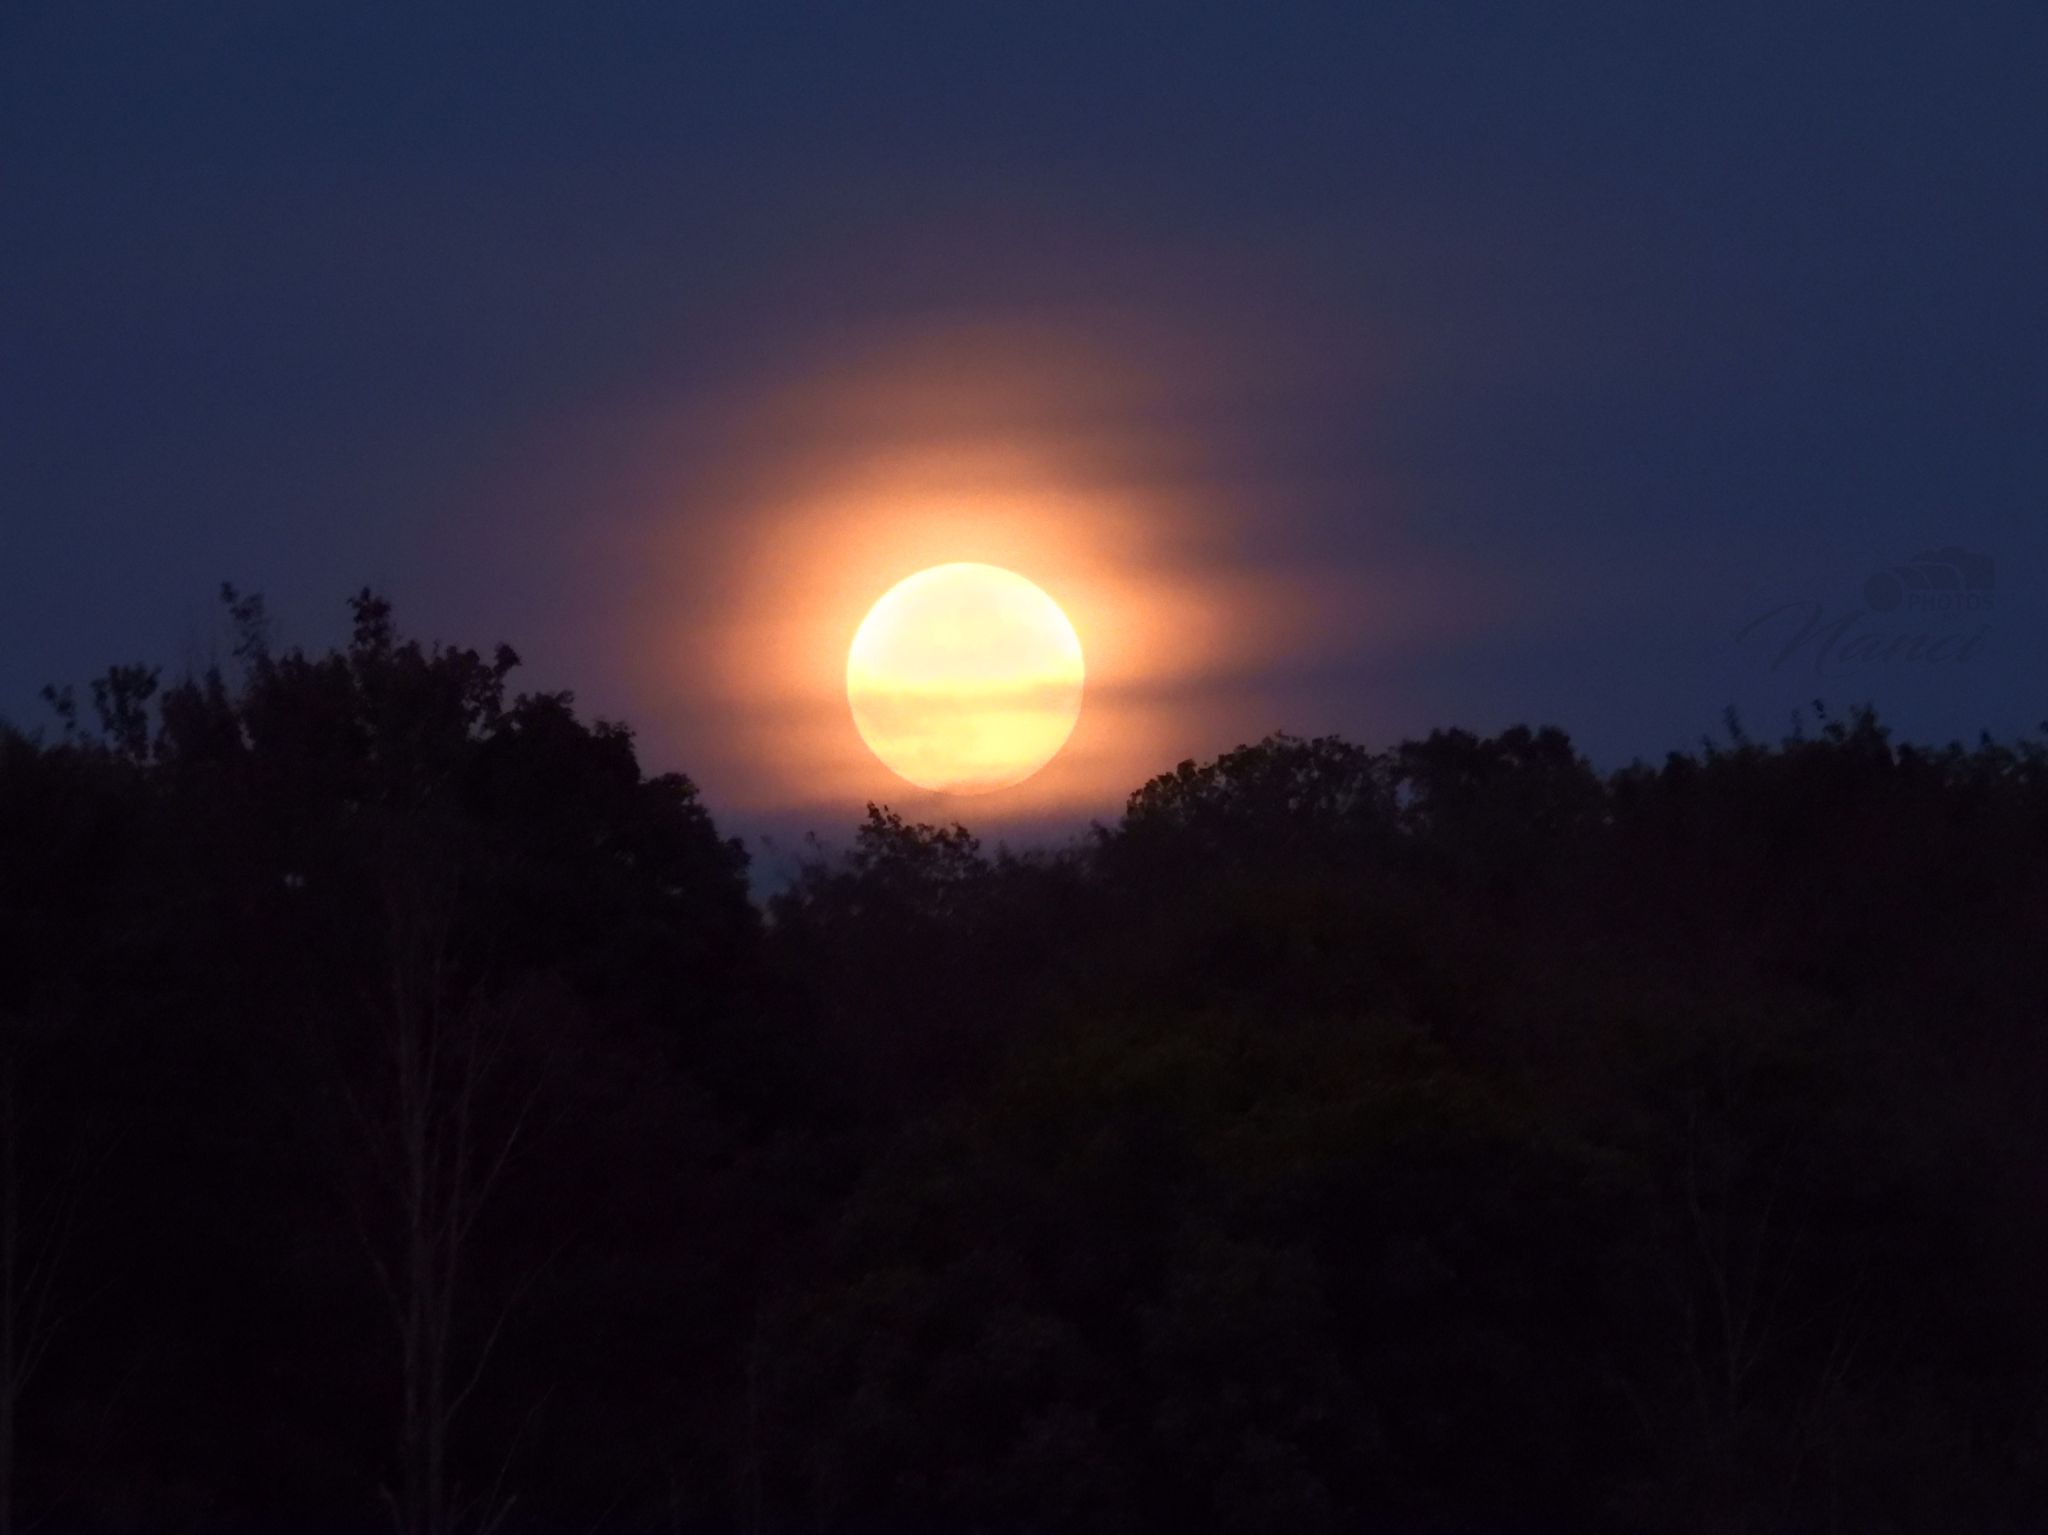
[{"x": 408, "y": 1121}]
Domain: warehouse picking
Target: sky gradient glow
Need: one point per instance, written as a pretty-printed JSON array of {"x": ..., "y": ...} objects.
[{"x": 1354, "y": 369}]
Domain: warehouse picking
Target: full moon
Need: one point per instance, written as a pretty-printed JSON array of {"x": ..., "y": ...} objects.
[{"x": 965, "y": 678}]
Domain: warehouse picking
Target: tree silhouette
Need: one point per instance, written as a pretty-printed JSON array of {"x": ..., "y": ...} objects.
[{"x": 1442, "y": 1136}]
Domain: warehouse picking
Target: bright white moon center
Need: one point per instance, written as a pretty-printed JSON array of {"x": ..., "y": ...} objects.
[{"x": 965, "y": 678}]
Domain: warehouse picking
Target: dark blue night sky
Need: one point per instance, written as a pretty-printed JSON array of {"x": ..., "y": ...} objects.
[{"x": 1569, "y": 340}]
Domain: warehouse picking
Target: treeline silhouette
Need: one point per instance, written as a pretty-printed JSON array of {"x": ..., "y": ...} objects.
[{"x": 409, "y": 1121}]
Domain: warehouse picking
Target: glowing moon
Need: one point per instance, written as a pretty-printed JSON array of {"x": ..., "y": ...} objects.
[{"x": 965, "y": 678}]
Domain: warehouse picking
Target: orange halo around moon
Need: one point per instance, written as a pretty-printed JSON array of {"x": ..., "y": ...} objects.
[{"x": 965, "y": 678}]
